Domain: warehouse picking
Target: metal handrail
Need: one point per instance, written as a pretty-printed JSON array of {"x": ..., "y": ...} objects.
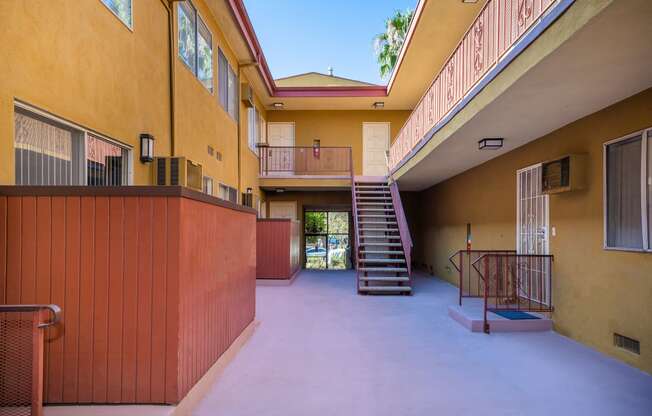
[
  {"x": 403, "y": 228},
  {"x": 54, "y": 310},
  {"x": 355, "y": 225},
  {"x": 303, "y": 160},
  {"x": 460, "y": 269}
]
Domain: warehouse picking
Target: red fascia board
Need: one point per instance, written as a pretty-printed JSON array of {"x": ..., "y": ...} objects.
[{"x": 373, "y": 91}]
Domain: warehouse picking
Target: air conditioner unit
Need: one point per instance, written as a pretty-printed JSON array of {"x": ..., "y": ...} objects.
[
  {"x": 564, "y": 174},
  {"x": 178, "y": 171},
  {"x": 247, "y": 95}
]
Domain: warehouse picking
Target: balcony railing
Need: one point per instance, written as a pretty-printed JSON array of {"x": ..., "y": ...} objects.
[
  {"x": 498, "y": 27},
  {"x": 296, "y": 161}
]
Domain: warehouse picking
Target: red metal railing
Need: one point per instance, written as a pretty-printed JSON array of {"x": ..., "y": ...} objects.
[
  {"x": 515, "y": 282},
  {"x": 355, "y": 225},
  {"x": 21, "y": 357},
  {"x": 403, "y": 229},
  {"x": 500, "y": 24},
  {"x": 470, "y": 282},
  {"x": 305, "y": 161}
]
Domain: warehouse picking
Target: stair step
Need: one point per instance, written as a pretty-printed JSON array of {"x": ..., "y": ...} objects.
[
  {"x": 385, "y": 289},
  {"x": 381, "y": 252},
  {"x": 373, "y": 198},
  {"x": 383, "y": 269},
  {"x": 372, "y": 192},
  {"x": 377, "y": 223},
  {"x": 376, "y": 216},
  {"x": 386, "y": 237},
  {"x": 384, "y": 230},
  {"x": 382, "y": 261},
  {"x": 381, "y": 244},
  {"x": 378, "y": 210},
  {"x": 371, "y": 186},
  {"x": 386, "y": 278}
]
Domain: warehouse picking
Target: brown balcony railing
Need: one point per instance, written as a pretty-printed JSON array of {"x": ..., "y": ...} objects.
[
  {"x": 498, "y": 27},
  {"x": 291, "y": 161}
]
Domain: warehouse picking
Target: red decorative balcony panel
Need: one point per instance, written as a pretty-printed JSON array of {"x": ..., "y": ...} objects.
[{"x": 500, "y": 24}]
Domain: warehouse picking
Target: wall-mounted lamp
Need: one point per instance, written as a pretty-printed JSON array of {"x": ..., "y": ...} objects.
[
  {"x": 490, "y": 143},
  {"x": 146, "y": 147},
  {"x": 280, "y": 190},
  {"x": 278, "y": 106},
  {"x": 469, "y": 1},
  {"x": 249, "y": 190},
  {"x": 378, "y": 104}
]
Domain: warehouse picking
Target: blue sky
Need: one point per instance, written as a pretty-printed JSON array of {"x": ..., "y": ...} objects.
[{"x": 311, "y": 35}]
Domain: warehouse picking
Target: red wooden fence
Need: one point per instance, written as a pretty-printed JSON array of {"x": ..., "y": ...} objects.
[
  {"x": 154, "y": 283},
  {"x": 278, "y": 246}
]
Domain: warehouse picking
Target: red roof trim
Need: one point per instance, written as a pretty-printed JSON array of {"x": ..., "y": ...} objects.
[{"x": 249, "y": 34}]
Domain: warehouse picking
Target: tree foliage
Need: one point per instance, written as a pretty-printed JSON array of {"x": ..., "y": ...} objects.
[{"x": 388, "y": 44}]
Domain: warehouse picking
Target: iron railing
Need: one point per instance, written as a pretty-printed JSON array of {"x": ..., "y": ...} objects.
[
  {"x": 498, "y": 27},
  {"x": 403, "y": 229},
  {"x": 470, "y": 282},
  {"x": 21, "y": 357},
  {"x": 515, "y": 282},
  {"x": 305, "y": 161}
]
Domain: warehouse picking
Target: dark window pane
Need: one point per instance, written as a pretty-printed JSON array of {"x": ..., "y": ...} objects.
[{"x": 624, "y": 225}]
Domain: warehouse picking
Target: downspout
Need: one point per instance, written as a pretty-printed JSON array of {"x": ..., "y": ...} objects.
[
  {"x": 240, "y": 66},
  {"x": 170, "y": 10}
]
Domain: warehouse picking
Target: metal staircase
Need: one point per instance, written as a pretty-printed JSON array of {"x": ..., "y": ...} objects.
[{"x": 383, "y": 243}]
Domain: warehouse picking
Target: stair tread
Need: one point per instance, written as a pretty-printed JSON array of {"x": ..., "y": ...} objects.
[
  {"x": 387, "y": 261},
  {"x": 397, "y": 252},
  {"x": 376, "y": 216},
  {"x": 385, "y": 288},
  {"x": 386, "y": 278},
  {"x": 387, "y": 237},
  {"x": 381, "y": 244},
  {"x": 383, "y": 269},
  {"x": 378, "y": 222}
]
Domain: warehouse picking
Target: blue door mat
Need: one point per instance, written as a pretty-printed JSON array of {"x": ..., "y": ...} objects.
[{"x": 514, "y": 315}]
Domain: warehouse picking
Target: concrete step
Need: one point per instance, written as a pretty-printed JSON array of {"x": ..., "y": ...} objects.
[
  {"x": 386, "y": 278},
  {"x": 385, "y": 289},
  {"x": 381, "y": 244},
  {"x": 382, "y": 261},
  {"x": 390, "y": 252},
  {"x": 383, "y": 269}
]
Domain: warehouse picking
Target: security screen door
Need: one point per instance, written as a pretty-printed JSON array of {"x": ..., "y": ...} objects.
[{"x": 531, "y": 228}]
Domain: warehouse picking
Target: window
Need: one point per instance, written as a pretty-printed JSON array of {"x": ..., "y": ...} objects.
[
  {"x": 628, "y": 194},
  {"x": 228, "y": 193},
  {"x": 227, "y": 85},
  {"x": 253, "y": 130},
  {"x": 53, "y": 152},
  {"x": 207, "y": 185},
  {"x": 195, "y": 44},
  {"x": 122, "y": 9}
]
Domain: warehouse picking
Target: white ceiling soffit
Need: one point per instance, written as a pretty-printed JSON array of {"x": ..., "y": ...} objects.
[{"x": 606, "y": 61}]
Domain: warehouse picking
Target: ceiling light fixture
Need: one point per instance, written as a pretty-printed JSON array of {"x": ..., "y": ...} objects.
[
  {"x": 490, "y": 143},
  {"x": 277, "y": 105},
  {"x": 378, "y": 104}
]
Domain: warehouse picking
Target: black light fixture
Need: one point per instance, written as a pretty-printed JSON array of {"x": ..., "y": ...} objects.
[
  {"x": 280, "y": 190},
  {"x": 249, "y": 190},
  {"x": 146, "y": 147},
  {"x": 378, "y": 104},
  {"x": 490, "y": 143},
  {"x": 277, "y": 105}
]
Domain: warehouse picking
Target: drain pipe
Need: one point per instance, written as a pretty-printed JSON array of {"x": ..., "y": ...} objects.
[
  {"x": 169, "y": 7},
  {"x": 240, "y": 66}
]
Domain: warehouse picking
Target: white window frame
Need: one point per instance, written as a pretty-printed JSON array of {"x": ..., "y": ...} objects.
[
  {"x": 198, "y": 19},
  {"x": 131, "y": 14},
  {"x": 647, "y": 244},
  {"x": 232, "y": 97},
  {"x": 254, "y": 129},
  {"x": 228, "y": 189},
  {"x": 84, "y": 132}
]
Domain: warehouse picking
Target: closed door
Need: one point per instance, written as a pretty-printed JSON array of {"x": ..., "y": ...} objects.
[
  {"x": 532, "y": 234},
  {"x": 286, "y": 210},
  {"x": 280, "y": 154},
  {"x": 375, "y": 143}
]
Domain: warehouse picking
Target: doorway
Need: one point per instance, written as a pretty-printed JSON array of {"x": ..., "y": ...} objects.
[
  {"x": 532, "y": 219},
  {"x": 327, "y": 240},
  {"x": 279, "y": 157},
  {"x": 375, "y": 143}
]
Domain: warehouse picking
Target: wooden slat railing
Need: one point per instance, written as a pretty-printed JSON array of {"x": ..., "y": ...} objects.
[{"x": 498, "y": 27}]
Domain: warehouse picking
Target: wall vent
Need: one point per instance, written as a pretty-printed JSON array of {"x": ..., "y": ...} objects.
[
  {"x": 218, "y": 155},
  {"x": 210, "y": 150},
  {"x": 627, "y": 343},
  {"x": 160, "y": 177},
  {"x": 174, "y": 171}
]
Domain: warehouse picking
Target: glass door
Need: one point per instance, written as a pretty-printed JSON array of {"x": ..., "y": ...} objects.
[{"x": 327, "y": 240}]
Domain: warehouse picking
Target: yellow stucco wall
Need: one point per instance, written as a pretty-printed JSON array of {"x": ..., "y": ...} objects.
[
  {"x": 78, "y": 61},
  {"x": 338, "y": 127},
  {"x": 596, "y": 292}
]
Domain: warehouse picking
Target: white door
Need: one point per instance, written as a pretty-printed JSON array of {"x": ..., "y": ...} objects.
[
  {"x": 278, "y": 209},
  {"x": 280, "y": 155},
  {"x": 532, "y": 233},
  {"x": 375, "y": 142}
]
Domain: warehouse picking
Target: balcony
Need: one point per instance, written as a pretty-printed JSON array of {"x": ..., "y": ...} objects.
[{"x": 305, "y": 167}]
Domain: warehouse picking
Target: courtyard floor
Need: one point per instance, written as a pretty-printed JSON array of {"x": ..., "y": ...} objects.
[{"x": 321, "y": 349}]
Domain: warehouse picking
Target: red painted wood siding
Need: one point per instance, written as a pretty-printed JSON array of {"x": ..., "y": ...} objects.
[
  {"x": 278, "y": 245},
  {"x": 153, "y": 289}
]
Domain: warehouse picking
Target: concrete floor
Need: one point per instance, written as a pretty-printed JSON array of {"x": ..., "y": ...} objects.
[{"x": 321, "y": 349}]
